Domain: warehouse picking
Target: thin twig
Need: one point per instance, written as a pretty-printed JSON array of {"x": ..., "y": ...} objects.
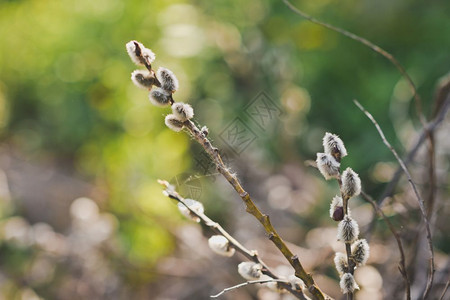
[
  {"x": 217, "y": 228},
  {"x": 416, "y": 192},
  {"x": 445, "y": 290},
  {"x": 247, "y": 283},
  {"x": 372, "y": 46},
  {"x": 252, "y": 209},
  {"x": 402, "y": 265}
]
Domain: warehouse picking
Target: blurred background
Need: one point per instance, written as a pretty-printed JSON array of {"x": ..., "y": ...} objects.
[{"x": 81, "y": 148}]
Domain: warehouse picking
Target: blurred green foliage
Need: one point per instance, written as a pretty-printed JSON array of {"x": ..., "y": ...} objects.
[{"x": 66, "y": 97}]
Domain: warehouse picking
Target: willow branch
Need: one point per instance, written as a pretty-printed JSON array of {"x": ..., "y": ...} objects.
[
  {"x": 217, "y": 228},
  {"x": 252, "y": 209},
  {"x": 445, "y": 290},
  {"x": 248, "y": 283},
  {"x": 402, "y": 264},
  {"x": 372, "y": 46},
  {"x": 416, "y": 192}
]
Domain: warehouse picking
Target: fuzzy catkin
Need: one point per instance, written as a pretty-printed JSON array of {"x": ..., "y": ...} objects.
[
  {"x": 142, "y": 79},
  {"x": 220, "y": 245},
  {"x": 139, "y": 54},
  {"x": 194, "y": 205},
  {"x": 182, "y": 111},
  {"x": 348, "y": 283},
  {"x": 340, "y": 261},
  {"x": 159, "y": 97},
  {"x": 327, "y": 165},
  {"x": 334, "y": 146},
  {"x": 337, "y": 209},
  {"x": 250, "y": 270},
  {"x": 351, "y": 183},
  {"x": 173, "y": 123},
  {"x": 169, "y": 81},
  {"x": 360, "y": 251},
  {"x": 348, "y": 230}
]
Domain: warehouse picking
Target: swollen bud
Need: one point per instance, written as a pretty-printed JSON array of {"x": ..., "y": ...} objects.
[
  {"x": 351, "y": 184},
  {"x": 142, "y": 79},
  {"x": 327, "y": 165},
  {"x": 182, "y": 111},
  {"x": 334, "y": 146},
  {"x": 337, "y": 209},
  {"x": 139, "y": 54},
  {"x": 169, "y": 81},
  {"x": 250, "y": 270},
  {"x": 340, "y": 260},
  {"x": 193, "y": 205},
  {"x": 159, "y": 97},
  {"x": 360, "y": 251},
  {"x": 173, "y": 123},
  {"x": 220, "y": 245},
  {"x": 348, "y": 283},
  {"x": 348, "y": 230}
]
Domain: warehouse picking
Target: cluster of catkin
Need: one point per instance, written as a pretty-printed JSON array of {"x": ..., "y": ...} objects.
[
  {"x": 357, "y": 250},
  {"x": 161, "y": 85}
]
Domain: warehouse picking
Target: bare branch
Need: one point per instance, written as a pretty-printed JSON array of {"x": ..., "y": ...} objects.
[
  {"x": 402, "y": 266},
  {"x": 416, "y": 192},
  {"x": 372, "y": 46},
  {"x": 445, "y": 290},
  {"x": 217, "y": 228},
  {"x": 252, "y": 209}
]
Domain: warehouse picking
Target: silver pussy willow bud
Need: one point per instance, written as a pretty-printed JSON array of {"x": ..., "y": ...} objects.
[
  {"x": 173, "y": 123},
  {"x": 348, "y": 283},
  {"x": 250, "y": 270},
  {"x": 169, "y": 81},
  {"x": 348, "y": 230},
  {"x": 337, "y": 209},
  {"x": 360, "y": 252},
  {"x": 159, "y": 97},
  {"x": 142, "y": 79},
  {"x": 351, "y": 184},
  {"x": 182, "y": 111},
  {"x": 194, "y": 205},
  {"x": 327, "y": 165},
  {"x": 340, "y": 260},
  {"x": 220, "y": 245},
  {"x": 334, "y": 146},
  {"x": 139, "y": 54}
]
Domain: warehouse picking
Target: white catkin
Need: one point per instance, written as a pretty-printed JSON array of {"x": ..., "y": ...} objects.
[
  {"x": 340, "y": 261},
  {"x": 194, "y": 205},
  {"x": 332, "y": 144},
  {"x": 220, "y": 245},
  {"x": 169, "y": 81},
  {"x": 182, "y": 111},
  {"x": 327, "y": 165},
  {"x": 173, "y": 123},
  {"x": 142, "y": 79},
  {"x": 159, "y": 97},
  {"x": 348, "y": 283},
  {"x": 139, "y": 54},
  {"x": 348, "y": 230},
  {"x": 337, "y": 201},
  {"x": 360, "y": 251},
  {"x": 351, "y": 184},
  {"x": 250, "y": 270}
]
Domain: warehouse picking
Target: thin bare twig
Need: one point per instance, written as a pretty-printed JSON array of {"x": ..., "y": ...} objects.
[
  {"x": 217, "y": 228},
  {"x": 402, "y": 264},
  {"x": 416, "y": 192},
  {"x": 445, "y": 290},
  {"x": 247, "y": 283},
  {"x": 252, "y": 209},
  {"x": 372, "y": 46}
]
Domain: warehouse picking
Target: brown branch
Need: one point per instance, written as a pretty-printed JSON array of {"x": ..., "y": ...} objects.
[
  {"x": 416, "y": 192},
  {"x": 217, "y": 228},
  {"x": 402, "y": 265},
  {"x": 445, "y": 290},
  {"x": 252, "y": 209},
  {"x": 372, "y": 46}
]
